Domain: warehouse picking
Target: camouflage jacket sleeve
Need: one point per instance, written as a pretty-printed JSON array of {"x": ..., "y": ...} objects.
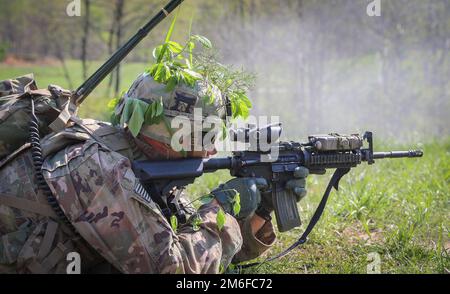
[{"x": 100, "y": 195}]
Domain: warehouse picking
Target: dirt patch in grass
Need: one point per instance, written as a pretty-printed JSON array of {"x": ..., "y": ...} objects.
[{"x": 357, "y": 234}]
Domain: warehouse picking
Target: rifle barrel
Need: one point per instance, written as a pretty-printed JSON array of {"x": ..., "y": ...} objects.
[
  {"x": 398, "y": 154},
  {"x": 89, "y": 85}
]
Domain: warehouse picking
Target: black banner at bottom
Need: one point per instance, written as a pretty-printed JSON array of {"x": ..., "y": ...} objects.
[{"x": 207, "y": 283}]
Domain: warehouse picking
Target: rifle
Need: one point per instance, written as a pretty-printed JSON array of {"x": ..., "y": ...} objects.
[{"x": 320, "y": 153}]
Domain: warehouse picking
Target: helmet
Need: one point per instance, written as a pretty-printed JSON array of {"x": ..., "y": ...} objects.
[{"x": 184, "y": 103}]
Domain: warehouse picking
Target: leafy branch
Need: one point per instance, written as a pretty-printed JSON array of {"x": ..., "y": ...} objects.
[
  {"x": 177, "y": 64},
  {"x": 136, "y": 113},
  {"x": 173, "y": 61},
  {"x": 233, "y": 83},
  {"x": 221, "y": 215}
]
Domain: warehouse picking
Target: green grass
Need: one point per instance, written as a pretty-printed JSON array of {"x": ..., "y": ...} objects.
[
  {"x": 95, "y": 105},
  {"x": 398, "y": 208}
]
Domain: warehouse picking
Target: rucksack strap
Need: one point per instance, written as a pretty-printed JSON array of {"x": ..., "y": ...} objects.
[
  {"x": 27, "y": 205},
  {"x": 67, "y": 112},
  {"x": 13, "y": 155},
  {"x": 47, "y": 240},
  {"x": 58, "y": 254}
]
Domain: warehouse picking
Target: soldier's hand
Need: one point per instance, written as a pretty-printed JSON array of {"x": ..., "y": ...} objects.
[
  {"x": 297, "y": 185},
  {"x": 250, "y": 195}
]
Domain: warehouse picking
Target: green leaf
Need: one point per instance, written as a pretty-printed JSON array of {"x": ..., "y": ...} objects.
[
  {"x": 148, "y": 118},
  {"x": 167, "y": 73},
  {"x": 188, "y": 63},
  {"x": 172, "y": 25},
  {"x": 243, "y": 109},
  {"x": 171, "y": 84},
  {"x": 189, "y": 77},
  {"x": 246, "y": 100},
  {"x": 205, "y": 199},
  {"x": 157, "y": 52},
  {"x": 220, "y": 219},
  {"x": 212, "y": 97},
  {"x": 224, "y": 130},
  {"x": 127, "y": 111},
  {"x": 178, "y": 64},
  {"x": 174, "y": 223},
  {"x": 162, "y": 53},
  {"x": 152, "y": 70},
  {"x": 137, "y": 118},
  {"x": 237, "y": 203},
  {"x": 192, "y": 73},
  {"x": 180, "y": 77},
  {"x": 113, "y": 103},
  {"x": 196, "y": 222},
  {"x": 154, "y": 112},
  {"x": 203, "y": 40},
  {"x": 158, "y": 73},
  {"x": 159, "y": 107},
  {"x": 234, "y": 110},
  {"x": 114, "y": 119},
  {"x": 191, "y": 46},
  {"x": 153, "y": 108},
  {"x": 175, "y": 47}
]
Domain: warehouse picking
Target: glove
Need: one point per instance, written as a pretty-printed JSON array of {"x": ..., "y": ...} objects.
[
  {"x": 250, "y": 196},
  {"x": 297, "y": 185}
]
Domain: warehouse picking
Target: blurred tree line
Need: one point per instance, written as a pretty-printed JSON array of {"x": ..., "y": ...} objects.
[{"x": 328, "y": 63}]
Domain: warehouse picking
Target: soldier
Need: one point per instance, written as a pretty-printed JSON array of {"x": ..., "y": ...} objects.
[{"x": 115, "y": 224}]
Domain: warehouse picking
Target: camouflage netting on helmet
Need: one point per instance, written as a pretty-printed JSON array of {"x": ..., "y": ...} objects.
[
  {"x": 15, "y": 116},
  {"x": 135, "y": 107}
]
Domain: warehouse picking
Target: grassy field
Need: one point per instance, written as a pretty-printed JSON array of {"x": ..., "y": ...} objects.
[
  {"x": 396, "y": 208},
  {"x": 95, "y": 105}
]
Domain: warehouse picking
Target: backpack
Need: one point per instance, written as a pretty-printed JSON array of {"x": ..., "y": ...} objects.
[{"x": 51, "y": 108}]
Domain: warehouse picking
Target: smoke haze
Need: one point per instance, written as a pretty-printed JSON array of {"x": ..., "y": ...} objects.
[{"x": 326, "y": 66}]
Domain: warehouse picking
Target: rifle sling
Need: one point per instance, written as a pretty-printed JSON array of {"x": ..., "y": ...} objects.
[{"x": 334, "y": 182}]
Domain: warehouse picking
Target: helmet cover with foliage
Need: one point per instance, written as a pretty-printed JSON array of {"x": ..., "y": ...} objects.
[
  {"x": 148, "y": 108},
  {"x": 179, "y": 86}
]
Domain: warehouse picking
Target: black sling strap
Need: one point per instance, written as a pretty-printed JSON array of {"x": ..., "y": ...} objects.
[{"x": 334, "y": 182}]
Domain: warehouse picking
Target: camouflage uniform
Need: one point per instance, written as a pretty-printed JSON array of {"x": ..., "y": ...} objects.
[
  {"x": 118, "y": 227},
  {"x": 88, "y": 168}
]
